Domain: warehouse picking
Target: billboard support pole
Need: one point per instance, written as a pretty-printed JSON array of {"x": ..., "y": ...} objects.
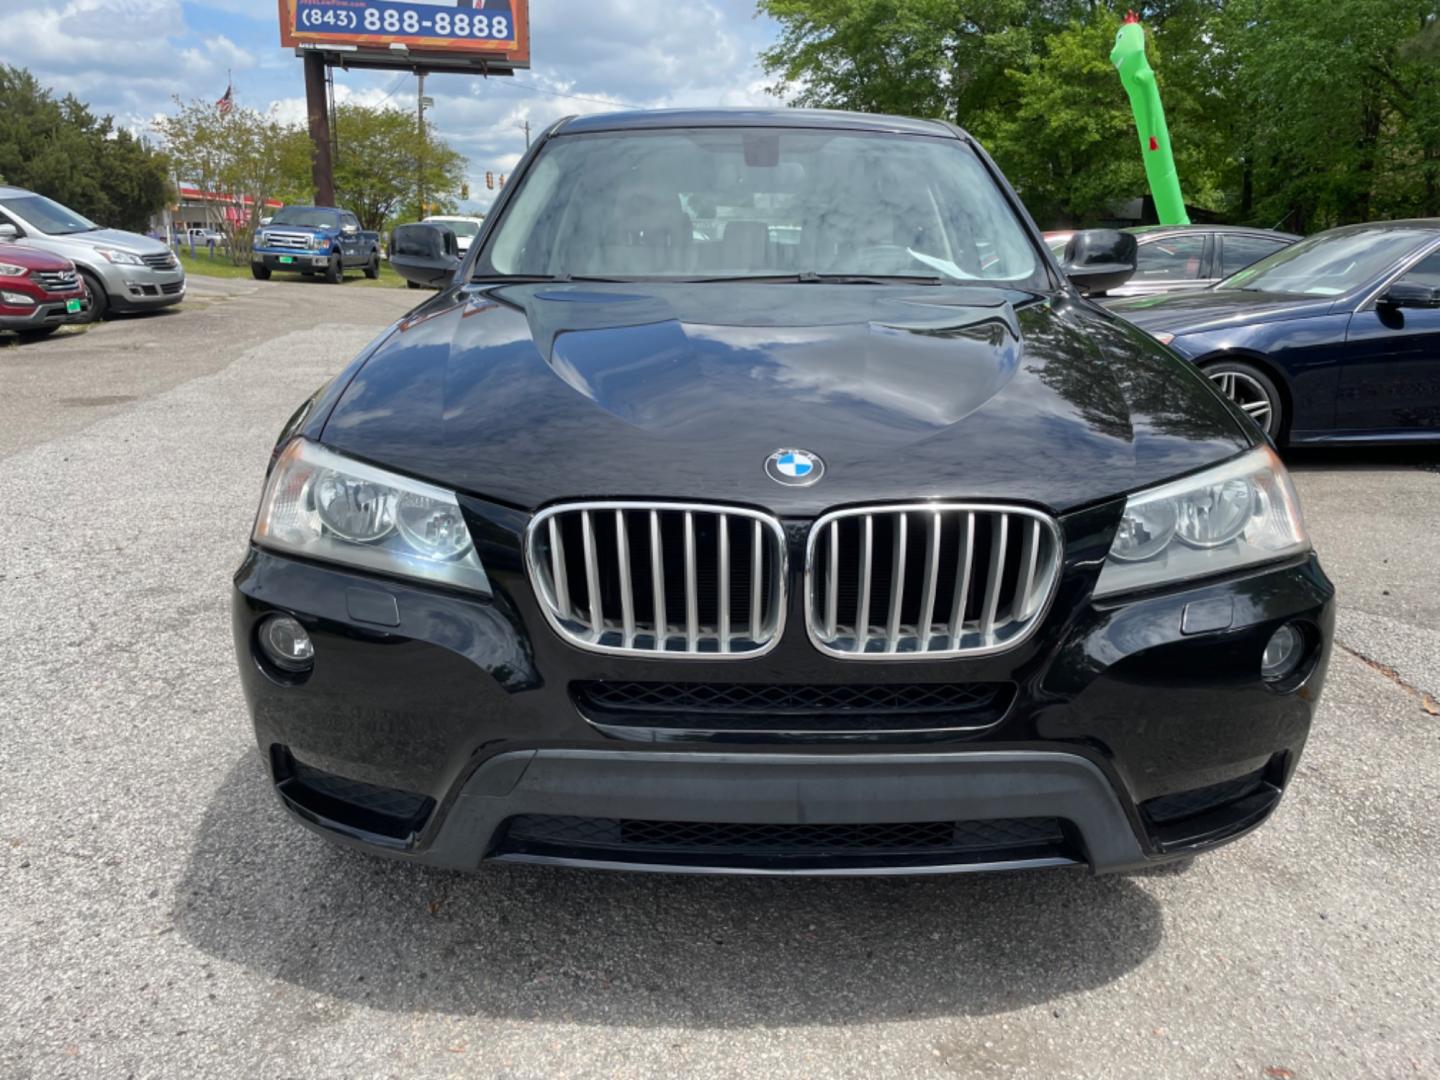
[{"x": 322, "y": 172}]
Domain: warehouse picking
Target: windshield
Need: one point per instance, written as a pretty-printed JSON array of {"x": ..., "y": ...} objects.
[
  {"x": 755, "y": 202},
  {"x": 1328, "y": 264},
  {"x": 310, "y": 217},
  {"x": 47, "y": 215},
  {"x": 467, "y": 229}
]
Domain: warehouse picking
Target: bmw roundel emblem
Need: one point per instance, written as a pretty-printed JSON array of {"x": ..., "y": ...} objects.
[{"x": 797, "y": 468}]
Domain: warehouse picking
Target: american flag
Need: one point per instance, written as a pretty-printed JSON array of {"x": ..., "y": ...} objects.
[{"x": 226, "y": 103}]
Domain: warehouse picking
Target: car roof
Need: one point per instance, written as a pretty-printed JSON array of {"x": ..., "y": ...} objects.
[
  {"x": 787, "y": 118},
  {"x": 8, "y": 191},
  {"x": 1430, "y": 224},
  {"x": 1252, "y": 230}
]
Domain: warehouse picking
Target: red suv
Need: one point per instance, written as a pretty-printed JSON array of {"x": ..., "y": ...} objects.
[{"x": 38, "y": 291}]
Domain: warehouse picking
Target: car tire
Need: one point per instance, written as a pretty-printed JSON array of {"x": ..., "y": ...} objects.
[
  {"x": 372, "y": 268},
  {"x": 1252, "y": 390},
  {"x": 259, "y": 273},
  {"x": 36, "y": 333},
  {"x": 335, "y": 272},
  {"x": 99, "y": 299}
]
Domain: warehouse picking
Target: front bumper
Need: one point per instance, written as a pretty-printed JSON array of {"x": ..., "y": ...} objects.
[
  {"x": 47, "y": 311},
  {"x": 298, "y": 260},
  {"x": 445, "y": 730},
  {"x": 142, "y": 288}
]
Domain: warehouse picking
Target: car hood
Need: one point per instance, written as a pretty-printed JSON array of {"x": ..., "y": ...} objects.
[
  {"x": 1215, "y": 309},
  {"x": 114, "y": 238},
  {"x": 33, "y": 258},
  {"x": 529, "y": 394}
]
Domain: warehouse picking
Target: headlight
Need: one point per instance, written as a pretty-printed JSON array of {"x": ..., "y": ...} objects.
[
  {"x": 322, "y": 505},
  {"x": 120, "y": 258},
  {"x": 11, "y": 270},
  {"x": 1233, "y": 515},
  {"x": 262, "y": 238}
]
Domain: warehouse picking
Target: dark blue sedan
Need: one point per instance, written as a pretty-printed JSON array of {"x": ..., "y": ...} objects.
[{"x": 1335, "y": 339}]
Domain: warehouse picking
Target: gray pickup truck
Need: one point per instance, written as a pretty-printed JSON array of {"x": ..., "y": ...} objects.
[{"x": 315, "y": 240}]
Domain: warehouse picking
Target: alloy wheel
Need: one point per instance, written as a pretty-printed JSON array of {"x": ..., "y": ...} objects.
[{"x": 1245, "y": 391}]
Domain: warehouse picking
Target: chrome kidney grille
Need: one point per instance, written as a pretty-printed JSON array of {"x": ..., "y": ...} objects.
[
  {"x": 928, "y": 579},
  {"x": 660, "y": 578}
]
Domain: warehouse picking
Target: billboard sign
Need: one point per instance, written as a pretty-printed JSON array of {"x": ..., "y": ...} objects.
[{"x": 402, "y": 33}]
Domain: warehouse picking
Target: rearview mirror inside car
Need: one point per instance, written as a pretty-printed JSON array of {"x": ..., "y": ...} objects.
[
  {"x": 424, "y": 254},
  {"x": 1411, "y": 294},
  {"x": 1098, "y": 260}
]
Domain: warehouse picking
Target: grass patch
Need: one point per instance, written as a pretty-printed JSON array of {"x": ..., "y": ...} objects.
[{"x": 221, "y": 266}]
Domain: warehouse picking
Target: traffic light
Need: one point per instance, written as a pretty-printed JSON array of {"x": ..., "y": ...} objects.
[
  {"x": 502, "y": 179},
  {"x": 489, "y": 179},
  {"x": 465, "y": 190}
]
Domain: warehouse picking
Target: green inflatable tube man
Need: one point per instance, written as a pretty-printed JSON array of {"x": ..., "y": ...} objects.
[{"x": 1128, "y": 56}]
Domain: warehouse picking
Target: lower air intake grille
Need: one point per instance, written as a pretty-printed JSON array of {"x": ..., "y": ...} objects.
[
  {"x": 660, "y": 578},
  {"x": 849, "y": 707},
  {"x": 383, "y": 811},
  {"x": 928, "y": 579},
  {"x": 1185, "y": 804},
  {"x": 694, "y": 842}
]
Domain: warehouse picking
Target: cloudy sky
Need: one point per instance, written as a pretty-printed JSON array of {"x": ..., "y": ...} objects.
[{"x": 129, "y": 58}]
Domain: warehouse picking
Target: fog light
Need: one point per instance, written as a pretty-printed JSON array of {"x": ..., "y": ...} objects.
[
  {"x": 286, "y": 644},
  {"x": 1282, "y": 653},
  {"x": 16, "y": 299}
]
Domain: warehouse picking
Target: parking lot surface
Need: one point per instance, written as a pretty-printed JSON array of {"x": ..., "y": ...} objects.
[{"x": 160, "y": 917}]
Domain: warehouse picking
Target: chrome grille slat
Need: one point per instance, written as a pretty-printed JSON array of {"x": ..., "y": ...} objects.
[
  {"x": 943, "y": 579},
  {"x": 992, "y": 581},
  {"x": 897, "y": 582},
  {"x": 627, "y": 592},
  {"x": 722, "y": 571},
  {"x": 692, "y": 598},
  {"x": 592, "y": 577},
  {"x": 601, "y": 573}
]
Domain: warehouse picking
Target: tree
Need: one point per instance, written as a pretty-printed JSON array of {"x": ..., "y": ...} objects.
[
  {"x": 1282, "y": 112},
  {"x": 62, "y": 150},
  {"x": 380, "y": 160},
  {"x": 246, "y": 157}
]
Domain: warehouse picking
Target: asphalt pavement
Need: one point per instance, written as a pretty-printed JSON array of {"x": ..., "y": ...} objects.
[{"x": 159, "y": 917}]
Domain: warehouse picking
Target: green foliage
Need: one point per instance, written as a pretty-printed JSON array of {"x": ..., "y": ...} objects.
[
  {"x": 248, "y": 153},
  {"x": 60, "y": 149},
  {"x": 243, "y": 154},
  {"x": 382, "y": 158},
  {"x": 1281, "y": 112}
]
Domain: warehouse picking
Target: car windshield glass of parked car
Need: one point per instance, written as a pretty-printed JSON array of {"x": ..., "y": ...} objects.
[
  {"x": 1330, "y": 264},
  {"x": 310, "y": 217},
  {"x": 47, "y": 215},
  {"x": 739, "y": 202}
]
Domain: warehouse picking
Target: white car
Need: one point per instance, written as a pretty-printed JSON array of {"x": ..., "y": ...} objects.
[{"x": 464, "y": 228}]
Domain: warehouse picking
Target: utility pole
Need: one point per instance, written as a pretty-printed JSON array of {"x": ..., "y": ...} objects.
[
  {"x": 420, "y": 154},
  {"x": 526, "y": 126},
  {"x": 322, "y": 173}
]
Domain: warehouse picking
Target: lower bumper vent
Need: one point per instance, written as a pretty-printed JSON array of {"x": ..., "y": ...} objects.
[
  {"x": 850, "y": 707},
  {"x": 749, "y": 844},
  {"x": 354, "y": 804}
]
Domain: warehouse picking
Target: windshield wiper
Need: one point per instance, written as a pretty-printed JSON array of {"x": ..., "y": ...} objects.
[
  {"x": 810, "y": 277},
  {"x": 541, "y": 279}
]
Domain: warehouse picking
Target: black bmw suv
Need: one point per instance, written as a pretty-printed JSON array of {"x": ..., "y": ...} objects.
[{"x": 759, "y": 495}]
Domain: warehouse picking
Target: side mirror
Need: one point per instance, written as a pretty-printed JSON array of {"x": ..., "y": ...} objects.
[
  {"x": 424, "y": 254},
  {"x": 1098, "y": 260},
  {"x": 349, "y": 230},
  {"x": 8, "y": 231},
  {"x": 1411, "y": 294}
]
